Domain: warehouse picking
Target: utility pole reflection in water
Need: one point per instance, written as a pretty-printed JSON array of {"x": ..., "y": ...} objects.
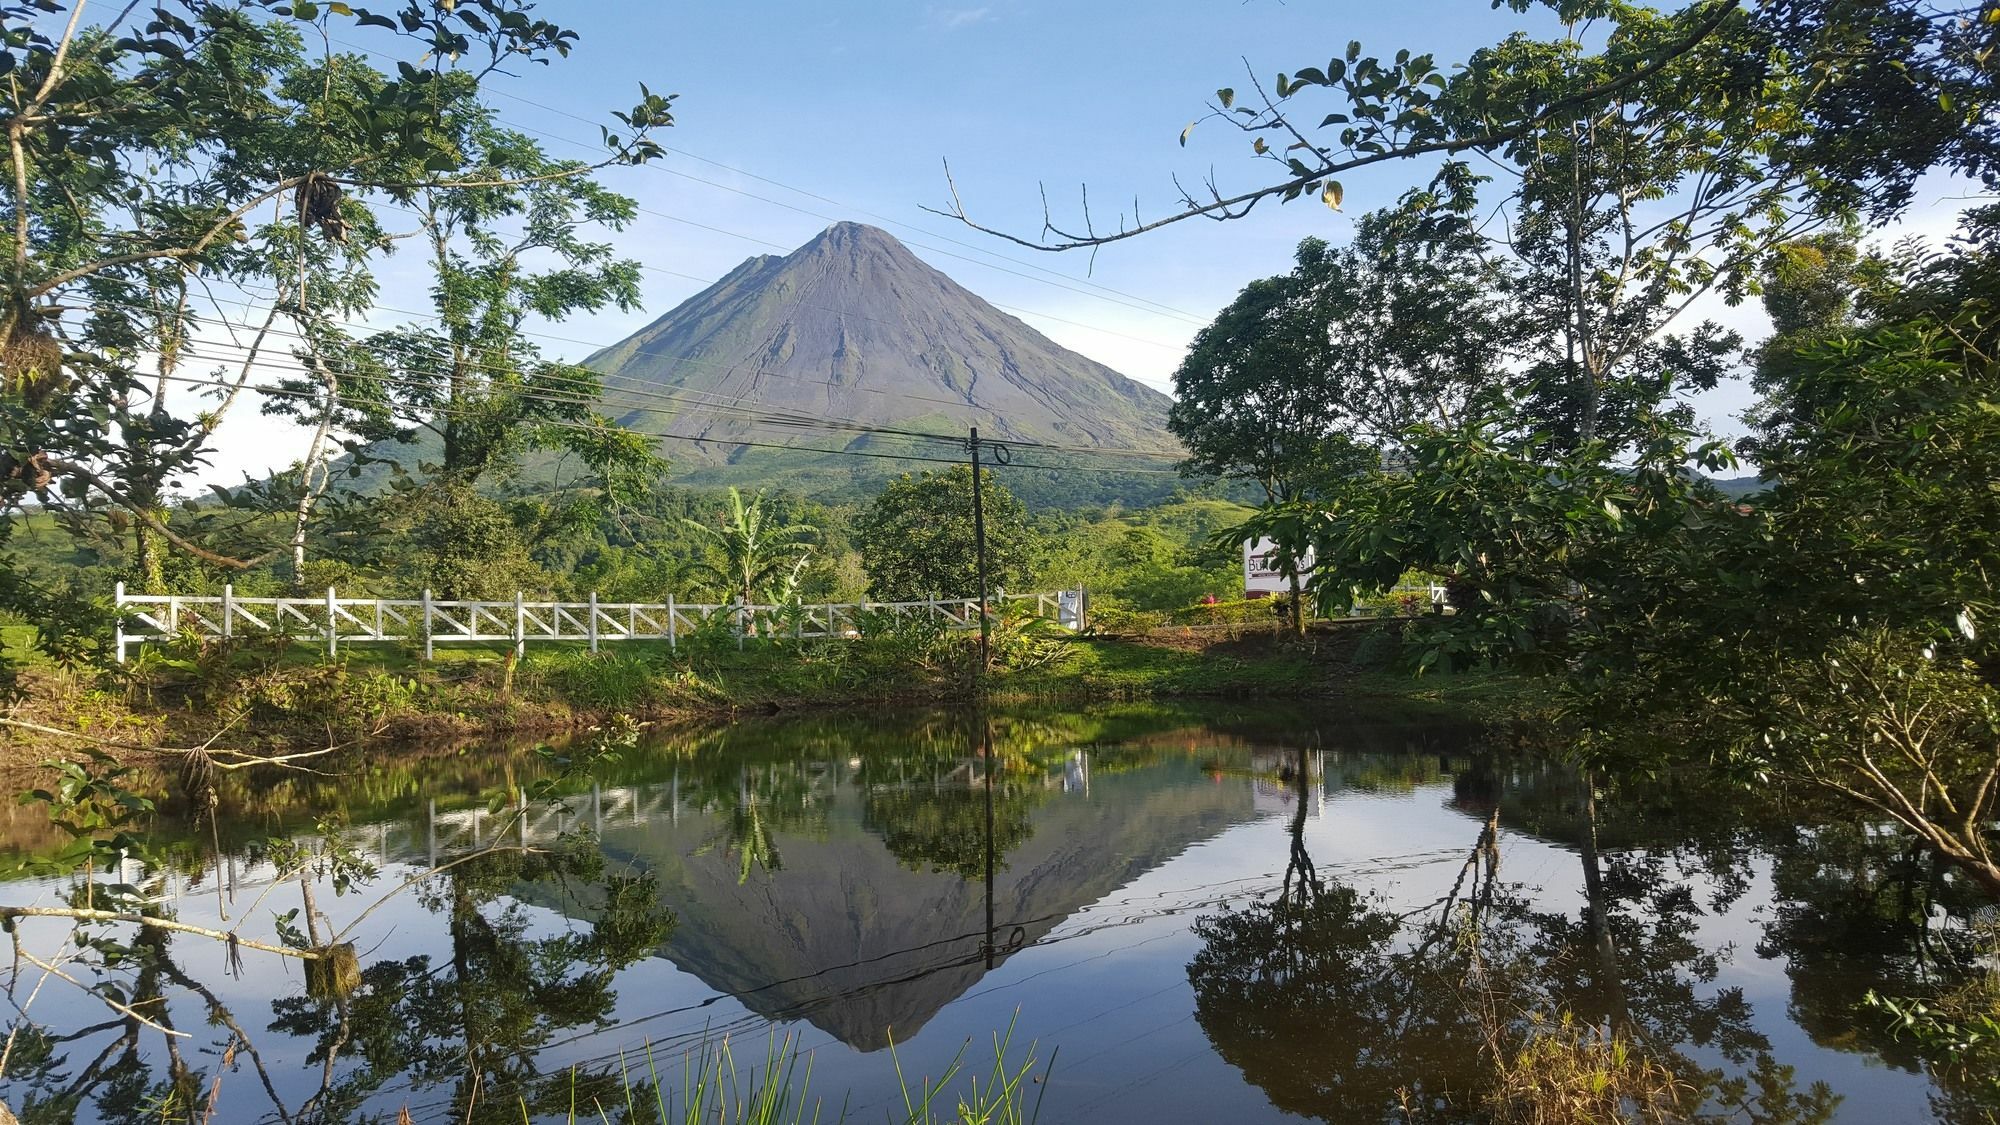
[{"x": 986, "y": 745}]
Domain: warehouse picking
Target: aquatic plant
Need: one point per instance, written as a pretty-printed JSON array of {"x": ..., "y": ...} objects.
[{"x": 714, "y": 1090}]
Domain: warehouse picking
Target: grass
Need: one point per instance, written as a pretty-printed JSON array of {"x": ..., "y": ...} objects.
[
  {"x": 1567, "y": 1072},
  {"x": 1125, "y": 669},
  {"x": 776, "y": 1090},
  {"x": 389, "y": 691}
]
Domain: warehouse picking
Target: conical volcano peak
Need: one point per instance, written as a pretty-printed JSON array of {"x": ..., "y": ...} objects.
[
  {"x": 859, "y": 236},
  {"x": 855, "y": 329},
  {"x": 858, "y": 248}
]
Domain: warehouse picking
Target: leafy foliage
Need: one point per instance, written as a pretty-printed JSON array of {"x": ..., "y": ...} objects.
[
  {"x": 917, "y": 539},
  {"x": 755, "y": 555}
]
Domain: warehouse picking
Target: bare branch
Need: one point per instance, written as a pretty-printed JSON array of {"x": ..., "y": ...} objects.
[{"x": 1236, "y": 206}]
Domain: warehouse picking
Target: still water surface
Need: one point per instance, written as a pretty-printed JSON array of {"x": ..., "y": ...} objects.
[{"x": 1203, "y": 914}]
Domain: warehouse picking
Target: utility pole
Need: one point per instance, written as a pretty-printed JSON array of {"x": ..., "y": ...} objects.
[{"x": 979, "y": 536}]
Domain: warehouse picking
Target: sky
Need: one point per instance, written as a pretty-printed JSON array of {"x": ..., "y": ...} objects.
[{"x": 791, "y": 115}]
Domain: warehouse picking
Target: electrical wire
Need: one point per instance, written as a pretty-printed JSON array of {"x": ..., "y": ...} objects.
[
  {"x": 586, "y": 394},
  {"x": 438, "y": 352},
  {"x": 284, "y": 392}
]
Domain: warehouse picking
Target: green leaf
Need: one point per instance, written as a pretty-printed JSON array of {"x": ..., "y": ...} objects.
[
  {"x": 1226, "y": 96},
  {"x": 1332, "y": 194}
]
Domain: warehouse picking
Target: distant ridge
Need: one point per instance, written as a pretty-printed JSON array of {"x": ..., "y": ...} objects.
[{"x": 853, "y": 327}]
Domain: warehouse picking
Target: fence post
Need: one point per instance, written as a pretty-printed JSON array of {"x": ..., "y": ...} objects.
[
  {"x": 670, "y": 623},
  {"x": 118, "y": 612},
  {"x": 520, "y": 626},
  {"x": 593, "y": 621},
  {"x": 332, "y": 625},
  {"x": 829, "y": 619},
  {"x": 427, "y": 623},
  {"x": 228, "y": 607}
]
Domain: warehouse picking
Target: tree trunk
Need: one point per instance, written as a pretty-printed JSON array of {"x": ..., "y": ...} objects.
[
  {"x": 1610, "y": 982},
  {"x": 314, "y": 476},
  {"x": 152, "y": 569},
  {"x": 1298, "y": 605}
]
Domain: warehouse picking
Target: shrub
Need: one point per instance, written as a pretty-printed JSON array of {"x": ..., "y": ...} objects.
[
  {"x": 1108, "y": 614},
  {"x": 1570, "y": 1073},
  {"x": 1382, "y": 647},
  {"x": 595, "y": 680},
  {"x": 1243, "y": 611}
]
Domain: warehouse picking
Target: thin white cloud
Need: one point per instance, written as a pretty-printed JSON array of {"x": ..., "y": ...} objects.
[{"x": 953, "y": 18}]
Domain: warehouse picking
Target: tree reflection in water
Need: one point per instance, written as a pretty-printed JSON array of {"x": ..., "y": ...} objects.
[
  {"x": 469, "y": 1023},
  {"x": 1342, "y": 1010},
  {"x": 1339, "y": 1003},
  {"x": 1309, "y": 995},
  {"x": 472, "y": 1023}
]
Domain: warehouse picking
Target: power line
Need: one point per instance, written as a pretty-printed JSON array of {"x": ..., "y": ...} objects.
[
  {"x": 446, "y": 411},
  {"x": 707, "y": 400},
  {"x": 727, "y": 368},
  {"x": 587, "y": 393}
]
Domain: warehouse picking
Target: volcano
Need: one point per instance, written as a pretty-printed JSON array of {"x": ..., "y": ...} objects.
[{"x": 786, "y": 369}]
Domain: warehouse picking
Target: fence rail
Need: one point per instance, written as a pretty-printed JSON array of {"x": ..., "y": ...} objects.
[{"x": 335, "y": 621}]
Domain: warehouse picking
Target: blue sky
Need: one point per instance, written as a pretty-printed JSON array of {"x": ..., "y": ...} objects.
[
  {"x": 859, "y": 105},
  {"x": 863, "y": 103}
]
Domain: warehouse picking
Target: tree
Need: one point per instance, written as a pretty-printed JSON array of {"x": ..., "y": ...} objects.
[
  {"x": 194, "y": 194},
  {"x": 758, "y": 554},
  {"x": 1647, "y": 160},
  {"x": 462, "y": 544},
  {"x": 1307, "y": 380},
  {"x": 472, "y": 385},
  {"x": 1251, "y": 399},
  {"x": 472, "y": 382},
  {"x": 917, "y": 538},
  {"x": 1356, "y": 344},
  {"x": 1874, "y": 585},
  {"x": 146, "y": 160},
  {"x": 1809, "y": 287}
]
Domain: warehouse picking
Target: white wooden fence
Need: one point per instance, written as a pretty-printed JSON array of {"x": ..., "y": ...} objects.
[{"x": 335, "y": 621}]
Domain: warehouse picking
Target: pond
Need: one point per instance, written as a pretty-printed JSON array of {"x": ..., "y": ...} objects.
[{"x": 1179, "y": 913}]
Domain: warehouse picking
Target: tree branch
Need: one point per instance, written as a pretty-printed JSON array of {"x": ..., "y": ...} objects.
[
  {"x": 147, "y": 517},
  {"x": 1237, "y": 206}
]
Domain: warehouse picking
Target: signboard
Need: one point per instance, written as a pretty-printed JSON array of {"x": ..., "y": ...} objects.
[
  {"x": 1069, "y": 609},
  {"x": 1261, "y": 576}
]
